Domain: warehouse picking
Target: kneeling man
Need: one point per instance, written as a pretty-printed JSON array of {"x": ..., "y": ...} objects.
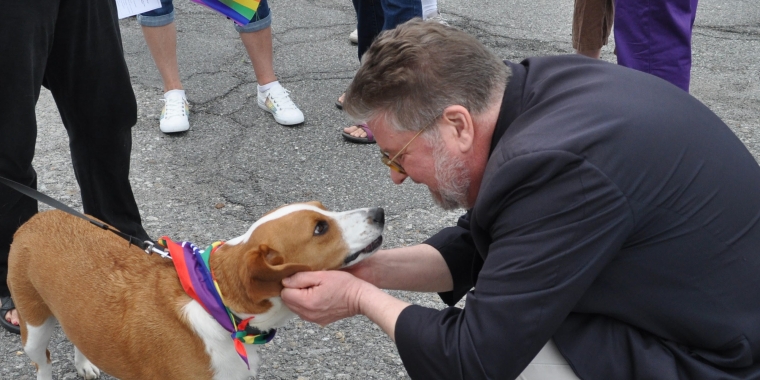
[{"x": 612, "y": 218}]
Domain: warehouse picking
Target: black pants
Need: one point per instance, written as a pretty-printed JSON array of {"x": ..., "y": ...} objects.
[
  {"x": 375, "y": 16},
  {"x": 73, "y": 48}
]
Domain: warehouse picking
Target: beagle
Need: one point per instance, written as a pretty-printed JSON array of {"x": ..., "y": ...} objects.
[{"x": 128, "y": 314}]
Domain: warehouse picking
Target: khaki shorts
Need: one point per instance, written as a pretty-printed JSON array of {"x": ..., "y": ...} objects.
[
  {"x": 592, "y": 23},
  {"x": 548, "y": 365}
]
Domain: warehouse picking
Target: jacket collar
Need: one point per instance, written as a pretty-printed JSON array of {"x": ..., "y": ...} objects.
[{"x": 511, "y": 103}]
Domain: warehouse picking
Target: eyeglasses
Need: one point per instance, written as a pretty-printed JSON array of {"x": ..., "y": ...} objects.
[{"x": 391, "y": 162}]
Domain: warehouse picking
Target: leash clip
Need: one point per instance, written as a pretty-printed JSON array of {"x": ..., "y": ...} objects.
[{"x": 151, "y": 248}]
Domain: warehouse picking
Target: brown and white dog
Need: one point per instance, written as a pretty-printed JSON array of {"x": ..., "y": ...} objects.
[{"x": 126, "y": 312}]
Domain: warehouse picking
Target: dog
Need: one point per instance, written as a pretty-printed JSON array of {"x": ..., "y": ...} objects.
[{"x": 127, "y": 313}]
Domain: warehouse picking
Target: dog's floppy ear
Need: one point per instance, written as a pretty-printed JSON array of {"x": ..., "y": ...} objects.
[
  {"x": 317, "y": 204},
  {"x": 269, "y": 265},
  {"x": 262, "y": 274}
]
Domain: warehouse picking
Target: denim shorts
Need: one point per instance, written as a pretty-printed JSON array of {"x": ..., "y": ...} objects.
[{"x": 165, "y": 16}]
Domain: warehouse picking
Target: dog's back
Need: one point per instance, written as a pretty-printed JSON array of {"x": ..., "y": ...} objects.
[
  {"x": 128, "y": 312},
  {"x": 104, "y": 272}
]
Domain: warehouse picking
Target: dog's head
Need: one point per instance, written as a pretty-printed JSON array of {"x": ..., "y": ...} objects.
[{"x": 293, "y": 238}]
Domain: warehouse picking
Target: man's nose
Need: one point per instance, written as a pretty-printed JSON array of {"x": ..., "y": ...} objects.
[{"x": 397, "y": 177}]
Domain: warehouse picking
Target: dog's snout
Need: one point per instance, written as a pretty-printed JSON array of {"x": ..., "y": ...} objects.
[{"x": 378, "y": 215}]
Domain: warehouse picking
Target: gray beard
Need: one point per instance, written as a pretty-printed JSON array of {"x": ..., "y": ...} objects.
[{"x": 453, "y": 179}]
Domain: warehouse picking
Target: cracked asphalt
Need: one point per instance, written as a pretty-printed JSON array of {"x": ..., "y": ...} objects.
[{"x": 236, "y": 163}]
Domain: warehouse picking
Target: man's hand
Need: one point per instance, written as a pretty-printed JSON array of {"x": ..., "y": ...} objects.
[
  {"x": 323, "y": 297},
  {"x": 419, "y": 268}
]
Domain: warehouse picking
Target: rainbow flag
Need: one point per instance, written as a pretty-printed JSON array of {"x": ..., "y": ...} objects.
[{"x": 240, "y": 11}]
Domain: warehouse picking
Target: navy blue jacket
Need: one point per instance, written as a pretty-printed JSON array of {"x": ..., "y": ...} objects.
[{"x": 617, "y": 215}]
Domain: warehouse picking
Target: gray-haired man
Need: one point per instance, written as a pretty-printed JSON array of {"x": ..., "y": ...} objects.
[{"x": 609, "y": 213}]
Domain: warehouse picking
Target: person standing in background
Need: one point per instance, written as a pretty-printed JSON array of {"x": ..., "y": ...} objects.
[
  {"x": 650, "y": 36},
  {"x": 73, "y": 48},
  {"x": 160, "y": 34}
]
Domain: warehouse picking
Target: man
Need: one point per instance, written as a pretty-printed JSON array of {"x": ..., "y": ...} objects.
[
  {"x": 74, "y": 49},
  {"x": 610, "y": 213}
]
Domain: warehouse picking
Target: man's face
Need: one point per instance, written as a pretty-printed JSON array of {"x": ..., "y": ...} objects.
[
  {"x": 453, "y": 179},
  {"x": 433, "y": 164}
]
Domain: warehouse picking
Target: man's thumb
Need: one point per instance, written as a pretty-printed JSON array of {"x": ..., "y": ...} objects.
[{"x": 295, "y": 281}]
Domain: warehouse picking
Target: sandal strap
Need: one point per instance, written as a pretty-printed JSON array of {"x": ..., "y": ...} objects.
[
  {"x": 7, "y": 305},
  {"x": 366, "y": 129}
]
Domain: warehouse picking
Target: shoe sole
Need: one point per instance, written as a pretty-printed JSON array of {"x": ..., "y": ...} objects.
[{"x": 174, "y": 129}]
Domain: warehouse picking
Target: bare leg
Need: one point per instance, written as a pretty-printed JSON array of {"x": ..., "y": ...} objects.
[
  {"x": 259, "y": 47},
  {"x": 594, "y": 53},
  {"x": 162, "y": 42}
]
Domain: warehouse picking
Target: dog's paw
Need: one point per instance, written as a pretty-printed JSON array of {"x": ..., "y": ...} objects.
[
  {"x": 88, "y": 371},
  {"x": 84, "y": 366}
]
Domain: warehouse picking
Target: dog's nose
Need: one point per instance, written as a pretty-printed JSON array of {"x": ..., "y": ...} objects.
[{"x": 378, "y": 215}]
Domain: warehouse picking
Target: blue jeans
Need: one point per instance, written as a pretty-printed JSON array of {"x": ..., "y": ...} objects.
[
  {"x": 165, "y": 16},
  {"x": 374, "y": 16}
]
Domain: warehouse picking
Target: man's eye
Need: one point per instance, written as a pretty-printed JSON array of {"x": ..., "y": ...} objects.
[{"x": 321, "y": 228}]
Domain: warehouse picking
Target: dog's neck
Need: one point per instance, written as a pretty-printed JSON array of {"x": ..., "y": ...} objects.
[
  {"x": 246, "y": 297},
  {"x": 277, "y": 316}
]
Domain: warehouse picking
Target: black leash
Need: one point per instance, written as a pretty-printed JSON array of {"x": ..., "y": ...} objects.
[{"x": 147, "y": 246}]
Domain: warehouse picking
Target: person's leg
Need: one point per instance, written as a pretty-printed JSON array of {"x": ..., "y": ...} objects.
[
  {"x": 548, "y": 364},
  {"x": 162, "y": 42},
  {"x": 429, "y": 8},
  {"x": 272, "y": 96},
  {"x": 369, "y": 23},
  {"x": 592, "y": 23},
  {"x": 258, "y": 44},
  {"x": 397, "y": 12},
  {"x": 394, "y": 12},
  {"x": 160, "y": 35},
  {"x": 25, "y": 34},
  {"x": 655, "y": 37},
  {"x": 89, "y": 79}
]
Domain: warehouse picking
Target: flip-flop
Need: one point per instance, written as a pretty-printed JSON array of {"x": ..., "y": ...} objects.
[
  {"x": 6, "y": 305},
  {"x": 369, "y": 139},
  {"x": 338, "y": 103}
]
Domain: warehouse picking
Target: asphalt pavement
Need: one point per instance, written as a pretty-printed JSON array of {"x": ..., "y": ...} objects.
[{"x": 236, "y": 162}]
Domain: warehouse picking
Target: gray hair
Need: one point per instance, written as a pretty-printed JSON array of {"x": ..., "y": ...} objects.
[{"x": 412, "y": 73}]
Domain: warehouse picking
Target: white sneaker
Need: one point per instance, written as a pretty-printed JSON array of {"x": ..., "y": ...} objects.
[
  {"x": 354, "y": 36},
  {"x": 174, "y": 115},
  {"x": 277, "y": 102}
]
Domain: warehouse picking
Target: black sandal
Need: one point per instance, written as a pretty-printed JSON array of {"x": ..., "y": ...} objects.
[
  {"x": 8, "y": 305},
  {"x": 338, "y": 103}
]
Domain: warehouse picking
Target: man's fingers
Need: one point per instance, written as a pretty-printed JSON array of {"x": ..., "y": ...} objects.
[
  {"x": 292, "y": 297},
  {"x": 301, "y": 280}
]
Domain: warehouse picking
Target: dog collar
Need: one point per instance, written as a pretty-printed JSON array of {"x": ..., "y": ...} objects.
[{"x": 195, "y": 275}]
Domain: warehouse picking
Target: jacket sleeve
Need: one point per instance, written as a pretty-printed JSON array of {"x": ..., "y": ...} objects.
[
  {"x": 553, "y": 221},
  {"x": 456, "y": 247}
]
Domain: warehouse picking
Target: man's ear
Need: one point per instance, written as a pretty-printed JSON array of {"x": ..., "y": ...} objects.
[{"x": 459, "y": 128}]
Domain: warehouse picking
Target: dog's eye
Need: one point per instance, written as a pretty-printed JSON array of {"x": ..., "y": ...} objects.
[{"x": 321, "y": 228}]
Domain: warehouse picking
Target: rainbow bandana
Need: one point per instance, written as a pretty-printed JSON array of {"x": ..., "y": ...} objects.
[{"x": 199, "y": 283}]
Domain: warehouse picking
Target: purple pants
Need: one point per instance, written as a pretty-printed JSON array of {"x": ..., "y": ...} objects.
[{"x": 654, "y": 36}]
